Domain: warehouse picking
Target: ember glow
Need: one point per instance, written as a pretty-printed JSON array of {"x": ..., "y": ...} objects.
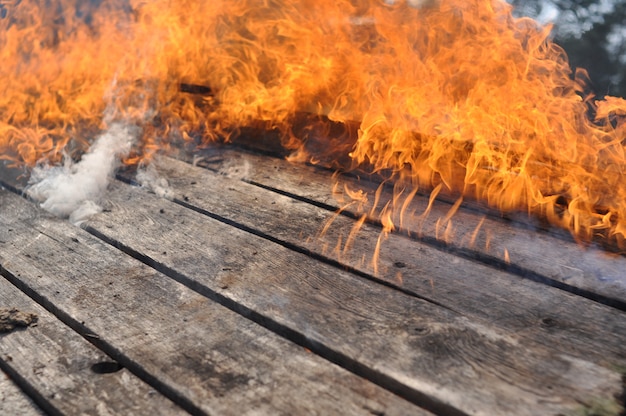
[{"x": 452, "y": 95}]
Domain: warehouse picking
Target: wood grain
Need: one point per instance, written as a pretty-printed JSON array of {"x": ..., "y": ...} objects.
[
  {"x": 427, "y": 350},
  {"x": 13, "y": 401},
  {"x": 206, "y": 357},
  {"x": 533, "y": 253},
  {"x": 541, "y": 314},
  {"x": 58, "y": 364}
]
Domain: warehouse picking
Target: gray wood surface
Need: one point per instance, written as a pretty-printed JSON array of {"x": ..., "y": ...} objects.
[
  {"x": 534, "y": 254},
  {"x": 57, "y": 363},
  {"x": 429, "y": 350},
  {"x": 13, "y": 401},
  {"x": 539, "y": 313},
  {"x": 210, "y": 359}
]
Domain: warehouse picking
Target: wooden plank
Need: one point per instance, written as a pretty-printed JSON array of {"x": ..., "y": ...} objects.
[
  {"x": 427, "y": 352},
  {"x": 546, "y": 315},
  {"x": 206, "y": 357},
  {"x": 534, "y": 254},
  {"x": 61, "y": 368},
  {"x": 13, "y": 401}
]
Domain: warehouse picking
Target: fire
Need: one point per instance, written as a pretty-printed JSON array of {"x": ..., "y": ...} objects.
[{"x": 452, "y": 95}]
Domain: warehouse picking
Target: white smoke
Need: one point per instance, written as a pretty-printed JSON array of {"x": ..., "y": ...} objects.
[
  {"x": 149, "y": 178},
  {"x": 74, "y": 190}
]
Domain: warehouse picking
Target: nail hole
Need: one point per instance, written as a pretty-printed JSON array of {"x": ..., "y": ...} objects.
[
  {"x": 548, "y": 322},
  {"x": 399, "y": 265},
  {"x": 106, "y": 367}
]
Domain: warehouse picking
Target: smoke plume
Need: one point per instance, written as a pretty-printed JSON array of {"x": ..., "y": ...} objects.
[
  {"x": 74, "y": 190},
  {"x": 148, "y": 177}
]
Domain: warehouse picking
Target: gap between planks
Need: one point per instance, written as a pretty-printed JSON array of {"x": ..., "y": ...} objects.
[
  {"x": 535, "y": 255},
  {"x": 338, "y": 313},
  {"x": 542, "y": 314},
  {"x": 54, "y": 365},
  {"x": 13, "y": 401},
  {"x": 575, "y": 364},
  {"x": 168, "y": 335},
  {"x": 289, "y": 244}
]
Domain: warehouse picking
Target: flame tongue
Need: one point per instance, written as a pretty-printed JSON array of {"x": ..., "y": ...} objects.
[{"x": 452, "y": 94}]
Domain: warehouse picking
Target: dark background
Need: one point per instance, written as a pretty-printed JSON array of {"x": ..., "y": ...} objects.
[{"x": 593, "y": 33}]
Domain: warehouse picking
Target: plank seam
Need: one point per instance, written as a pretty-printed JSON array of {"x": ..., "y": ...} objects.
[
  {"x": 93, "y": 338},
  {"x": 302, "y": 250},
  {"x": 350, "y": 364},
  {"x": 451, "y": 248},
  {"x": 474, "y": 207},
  {"x": 39, "y": 399},
  {"x": 311, "y": 254}
]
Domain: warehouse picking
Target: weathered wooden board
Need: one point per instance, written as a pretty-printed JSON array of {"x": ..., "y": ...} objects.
[
  {"x": 534, "y": 254},
  {"x": 426, "y": 352},
  {"x": 539, "y": 313},
  {"x": 57, "y": 364},
  {"x": 205, "y": 357},
  {"x": 13, "y": 401}
]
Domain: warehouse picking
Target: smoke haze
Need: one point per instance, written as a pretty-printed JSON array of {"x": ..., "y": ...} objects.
[{"x": 74, "y": 190}]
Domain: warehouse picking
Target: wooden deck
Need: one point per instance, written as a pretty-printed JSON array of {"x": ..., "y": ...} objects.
[{"x": 224, "y": 298}]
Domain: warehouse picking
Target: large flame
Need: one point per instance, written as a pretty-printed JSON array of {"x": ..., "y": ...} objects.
[{"x": 452, "y": 94}]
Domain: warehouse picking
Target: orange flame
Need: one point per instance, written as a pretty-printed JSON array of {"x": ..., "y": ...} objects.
[{"x": 454, "y": 95}]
